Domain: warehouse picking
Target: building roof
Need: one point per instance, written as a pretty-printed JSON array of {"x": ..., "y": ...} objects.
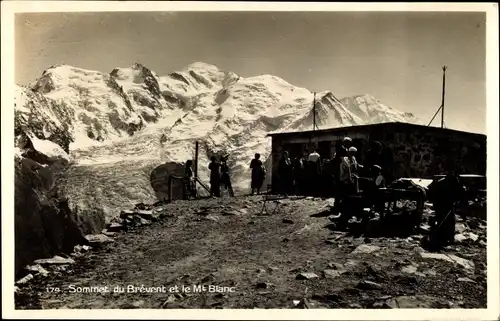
[{"x": 371, "y": 126}]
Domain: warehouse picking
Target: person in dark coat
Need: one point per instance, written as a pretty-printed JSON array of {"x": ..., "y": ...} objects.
[
  {"x": 189, "y": 189},
  {"x": 258, "y": 174},
  {"x": 301, "y": 173},
  {"x": 214, "y": 168},
  {"x": 285, "y": 169},
  {"x": 327, "y": 177},
  {"x": 225, "y": 178},
  {"x": 444, "y": 194},
  {"x": 374, "y": 156},
  {"x": 313, "y": 172}
]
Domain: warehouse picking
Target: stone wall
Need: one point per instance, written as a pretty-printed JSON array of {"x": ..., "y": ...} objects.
[{"x": 412, "y": 151}]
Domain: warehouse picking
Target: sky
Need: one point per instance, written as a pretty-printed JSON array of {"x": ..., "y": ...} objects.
[{"x": 394, "y": 56}]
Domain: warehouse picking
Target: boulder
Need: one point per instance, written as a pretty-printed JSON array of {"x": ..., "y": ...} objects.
[
  {"x": 465, "y": 280},
  {"x": 159, "y": 178},
  {"x": 336, "y": 266},
  {"x": 355, "y": 306},
  {"x": 114, "y": 227},
  {"x": 365, "y": 249},
  {"x": 146, "y": 214},
  {"x": 25, "y": 279},
  {"x": 473, "y": 237},
  {"x": 368, "y": 285},
  {"x": 460, "y": 228},
  {"x": 307, "y": 276},
  {"x": 331, "y": 274},
  {"x": 97, "y": 239},
  {"x": 414, "y": 302},
  {"x": 55, "y": 260},
  {"x": 460, "y": 238},
  {"x": 410, "y": 269},
  {"x": 38, "y": 269},
  {"x": 44, "y": 225},
  {"x": 231, "y": 213},
  {"x": 450, "y": 258},
  {"x": 107, "y": 233},
  {"x": 82, "y": 248}
]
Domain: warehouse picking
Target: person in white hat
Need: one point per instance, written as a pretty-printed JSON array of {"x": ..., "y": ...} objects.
[
  {"x": 341, "y": 151},
  {"x": 348, "y": 171},
  {"x": 348, "y": 183},
  {"x": 314, "y": 163}
]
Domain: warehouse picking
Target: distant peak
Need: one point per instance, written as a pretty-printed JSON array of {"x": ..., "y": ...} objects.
[
  {"x": 201, "y": 65},
  {"x": 137, "y": 66},
  {"x": 364, "y": 96}
]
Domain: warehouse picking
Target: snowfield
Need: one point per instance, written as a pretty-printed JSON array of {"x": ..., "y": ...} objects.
[{"x": 133, "y": 116}]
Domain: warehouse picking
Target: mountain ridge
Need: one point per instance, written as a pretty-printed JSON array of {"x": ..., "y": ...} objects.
[{"x": 134, "y": 114}]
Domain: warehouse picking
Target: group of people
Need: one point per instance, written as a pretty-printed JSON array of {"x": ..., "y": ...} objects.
[
  {"x": 342, "y": 174},
  {"x": 219, "y": 176},
  {"x": 310, "y": 174}
]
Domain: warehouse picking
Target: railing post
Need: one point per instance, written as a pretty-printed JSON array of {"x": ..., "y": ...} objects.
[{"x": 196, "y": 168}]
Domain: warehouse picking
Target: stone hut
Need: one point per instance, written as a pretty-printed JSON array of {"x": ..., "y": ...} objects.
[{"x": 412, "y": 151}]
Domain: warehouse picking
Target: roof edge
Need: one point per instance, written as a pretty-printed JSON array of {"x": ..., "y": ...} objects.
[{"x": 334, "y": 129}]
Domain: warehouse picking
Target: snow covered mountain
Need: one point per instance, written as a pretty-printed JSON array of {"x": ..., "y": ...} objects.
[
  {"x": 126, "y": 123},
  {"x": 372, "y": 110}
]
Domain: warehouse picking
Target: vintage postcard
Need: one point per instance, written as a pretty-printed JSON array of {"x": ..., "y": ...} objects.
[{"x": 250, "y": 160}]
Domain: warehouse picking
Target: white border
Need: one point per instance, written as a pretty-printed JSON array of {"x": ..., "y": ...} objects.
[{"x": 9, "y": 8}]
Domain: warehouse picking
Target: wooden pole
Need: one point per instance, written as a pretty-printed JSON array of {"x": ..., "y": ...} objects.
[
  {"x": 442, "y": 98},
  {"x": 195, "y": 165}
]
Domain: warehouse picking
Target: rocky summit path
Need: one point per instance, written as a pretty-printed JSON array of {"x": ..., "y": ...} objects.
[{"x": 228, "y": 256}]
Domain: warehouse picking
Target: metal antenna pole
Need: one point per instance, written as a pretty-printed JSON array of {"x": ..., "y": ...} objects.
[
  {"x": 314, "y": 111},
  {"x": 442, "y": 99}
]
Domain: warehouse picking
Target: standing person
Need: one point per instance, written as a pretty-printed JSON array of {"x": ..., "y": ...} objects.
[
  {"x": 225, "y": 178},
  {"x": 258, "y": 174},
  {"x": 314, "y": 162},
  {"x": 296, "y": 175},
  {"x": 189, "y": 189},
  {"x": 301, "y": 170},
  {"x": 347, "y": 183},
  {"x": 285, "y": 169},
  {"x": 214, "y": 168},
  {"x": 374, "y": 156},
  {"x": 340, "y": 153},
  {"x": 387, "y": 164},
  {"x": 327, "y": 177},
  {"x": 372, "y": 186},
  {"x": 444, "y": 193},
  {"x": 355, "y": 168}
]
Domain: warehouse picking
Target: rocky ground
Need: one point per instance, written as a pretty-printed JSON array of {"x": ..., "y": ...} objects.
[{"x": 289, "y": 259}]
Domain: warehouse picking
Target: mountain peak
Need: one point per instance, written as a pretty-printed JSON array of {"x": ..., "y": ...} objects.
[
  {"x": 138, "y": 66},
  {"x": 201, "y": 65}
]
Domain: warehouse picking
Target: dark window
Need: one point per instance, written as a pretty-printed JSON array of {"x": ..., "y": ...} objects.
[
  {"x": 294, "y": 150},
  {"x": 324, "y": 149}
]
